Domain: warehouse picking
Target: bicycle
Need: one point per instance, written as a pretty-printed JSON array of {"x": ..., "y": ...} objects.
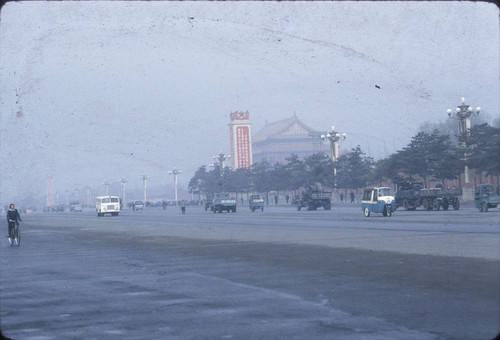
[{"x": 14, "y": 233}]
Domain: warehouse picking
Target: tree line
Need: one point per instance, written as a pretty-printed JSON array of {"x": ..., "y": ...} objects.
[{"x": 428, "y": 157}]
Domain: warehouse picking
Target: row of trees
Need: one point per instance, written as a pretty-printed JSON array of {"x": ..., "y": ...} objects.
[{"x": 428, "y": 156}]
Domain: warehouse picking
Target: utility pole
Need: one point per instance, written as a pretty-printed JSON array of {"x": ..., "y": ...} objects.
[
  {"x": 333, "y": 137},
  {"x": 123, "y": 181},
  {"x": 175, "y": 172},
  {"x": 144, "y": 179}
]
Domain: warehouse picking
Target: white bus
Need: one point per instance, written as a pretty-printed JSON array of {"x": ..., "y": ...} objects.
[{"x": 107, "y": 205}]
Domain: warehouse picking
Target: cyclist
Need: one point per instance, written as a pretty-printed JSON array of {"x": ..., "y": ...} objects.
[{"x": 12, "y": 215}]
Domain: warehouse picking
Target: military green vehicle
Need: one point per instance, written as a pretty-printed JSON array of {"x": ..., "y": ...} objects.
[
  {"x": 485, "y": 197},
  {"x": 223, "y": 201},
  {"x": 313, "y": 198},
  {"x": 256, "y": 202}
]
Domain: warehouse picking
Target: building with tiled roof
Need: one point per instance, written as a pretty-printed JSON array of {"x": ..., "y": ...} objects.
[{"x": 277, "y": 141}]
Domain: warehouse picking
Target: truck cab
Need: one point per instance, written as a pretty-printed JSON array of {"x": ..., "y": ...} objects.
[
  {"x": 256, "y": 202},
  {"x": 485, "y": 197}
]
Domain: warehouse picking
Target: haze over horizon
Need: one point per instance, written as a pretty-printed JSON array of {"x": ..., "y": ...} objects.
[{"x": 100, "y": 91}]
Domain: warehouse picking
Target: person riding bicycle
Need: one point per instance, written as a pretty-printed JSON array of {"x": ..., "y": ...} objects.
[{"x": 13, "y": 217}]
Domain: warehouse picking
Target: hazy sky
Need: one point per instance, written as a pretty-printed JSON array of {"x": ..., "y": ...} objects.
[{"x": 98, "y": 91}]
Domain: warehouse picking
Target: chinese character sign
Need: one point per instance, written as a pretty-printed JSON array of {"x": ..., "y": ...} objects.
[{"x": 243, "y": 146}]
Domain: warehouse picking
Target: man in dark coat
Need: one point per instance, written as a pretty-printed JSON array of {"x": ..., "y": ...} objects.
[{"x": 12, "y": 215}]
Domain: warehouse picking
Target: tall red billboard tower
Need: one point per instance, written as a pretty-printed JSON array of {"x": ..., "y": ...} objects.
[{"x": 241, "y": 140}]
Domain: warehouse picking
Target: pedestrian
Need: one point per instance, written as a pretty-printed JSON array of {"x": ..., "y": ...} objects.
[
  {"x": 183, "y": 207},
  {"x": 352, "y": 197},
  {"x": 287, "y": 197},
  {"x": 276, "y": 200},
  {"x": 164, "y": 205},
  {"x": 341, "y": 197}
]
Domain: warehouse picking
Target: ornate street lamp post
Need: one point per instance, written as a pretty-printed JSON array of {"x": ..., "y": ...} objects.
[
  {"x": 175, "y": 172},
  {"x": 333, "y": 137},
  {"x": 221, "y": 157},
  {"x": 463, "y": 113}
]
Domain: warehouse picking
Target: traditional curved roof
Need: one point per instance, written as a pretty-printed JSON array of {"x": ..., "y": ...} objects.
[{"x": 290, "y": 128}]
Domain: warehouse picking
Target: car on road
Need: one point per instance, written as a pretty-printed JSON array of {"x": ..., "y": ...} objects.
[
  {"x": 76, "y": 207},
  {"x": 138, "y": 205},
  {"x": 378, "y": 200},
  {"x": 54, "y": 208}
]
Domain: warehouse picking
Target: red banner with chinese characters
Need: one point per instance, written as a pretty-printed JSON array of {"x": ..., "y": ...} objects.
[{"x": 243, "y": 146}]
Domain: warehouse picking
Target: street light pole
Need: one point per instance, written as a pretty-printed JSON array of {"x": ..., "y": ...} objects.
[
  {"x": 221, "y": 157},
  {"x": 88, "y": 195},
  {"x": 107, "y": 187},
  {"x": 144, "y": 179},
  {"x": 463, "y": 113},
  {"x": 123, "y": 181},
  {"x": 175, "y": 172},
  {"x": 333, "y": 137}
]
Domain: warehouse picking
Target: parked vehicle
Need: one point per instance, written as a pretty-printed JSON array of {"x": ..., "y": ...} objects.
[
  {"x": 313, "y": 198},
  {"x": 486, "y": 197},
  {"x": 138, "y": 205},
  {"x": 413, "y": 195},
  {"x": 255, "y": 202},
  {"x": 209, "y": 202},
  {"x": 54, "y": 208},
  {"x": 378, "y": 200},
  {"x": 223, "y": 201},
  {"x": 75, "y": 206},
  {"x": 107, "y": 205}
]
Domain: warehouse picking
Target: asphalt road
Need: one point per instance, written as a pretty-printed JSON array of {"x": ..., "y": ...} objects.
[{"x": 277, "y": 274}]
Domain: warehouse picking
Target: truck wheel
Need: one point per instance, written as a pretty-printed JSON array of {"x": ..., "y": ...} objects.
[
  {"x": 456, "y": 205},
  {"x": 220, "y": 210},
  {"x": 234, "y": 209},
  {"x": 327, "y": 206},
  {"x": 389, "y": 211},
  {"x": 427, "y": 205},
  {"x": 367, "y": 212},
  {"x": 436, "y": 205}
]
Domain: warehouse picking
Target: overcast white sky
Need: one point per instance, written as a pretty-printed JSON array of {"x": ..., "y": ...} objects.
[{"x": 96, "y": 91}]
